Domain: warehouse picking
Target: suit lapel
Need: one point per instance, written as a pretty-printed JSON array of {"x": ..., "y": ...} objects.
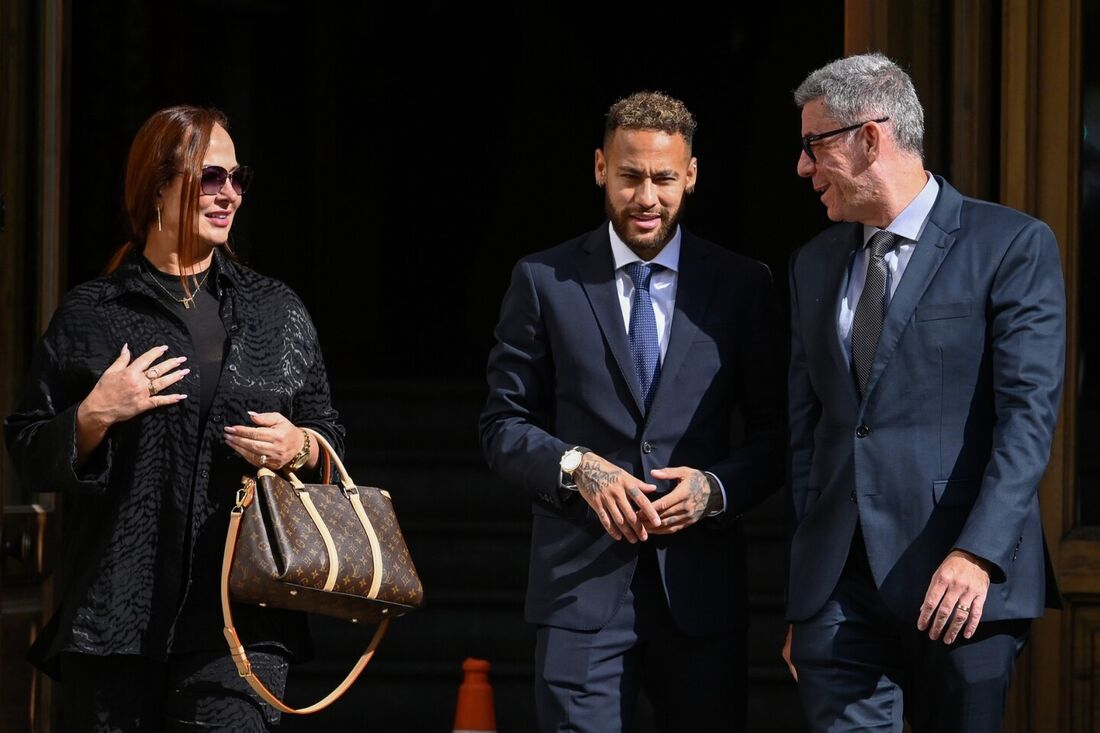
[
  {"x": 597, "y": 271},
  {"x": 928, "y": 255},
  {"x": 837, "y": 274},
  {"x": 694, "y": 290}
]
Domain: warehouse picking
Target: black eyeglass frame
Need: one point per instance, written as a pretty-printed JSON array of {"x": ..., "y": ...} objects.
[
  {"x": 809, "y": 140},
  {"x": 240, "y": 178}
]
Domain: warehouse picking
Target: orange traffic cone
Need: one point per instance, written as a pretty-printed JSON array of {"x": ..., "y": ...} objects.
[{"x": 474, "y": 712}]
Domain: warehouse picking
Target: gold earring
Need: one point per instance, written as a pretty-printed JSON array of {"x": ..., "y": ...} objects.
[{"x": 159, "y": 229}]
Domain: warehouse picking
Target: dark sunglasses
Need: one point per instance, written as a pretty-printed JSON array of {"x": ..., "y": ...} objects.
[
  {"x": 809, "y": 140},
  {"x": 214, "y": 177}
]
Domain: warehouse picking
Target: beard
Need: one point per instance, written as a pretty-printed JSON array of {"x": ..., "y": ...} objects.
[{"x": 652, "y": 242}]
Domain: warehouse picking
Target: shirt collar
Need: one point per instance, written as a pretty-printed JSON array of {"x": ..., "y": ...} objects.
[
  {"x": 910, "y": 222},
  {"x": 668, "y": 257}
]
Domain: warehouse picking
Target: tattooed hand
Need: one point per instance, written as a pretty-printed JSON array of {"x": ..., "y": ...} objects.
[
  {"x": 618, "y": 499},
  {"x": 688, "y": 502}
]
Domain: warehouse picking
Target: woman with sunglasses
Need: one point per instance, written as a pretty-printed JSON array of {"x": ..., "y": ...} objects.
[{"x": 154, "y": 389}]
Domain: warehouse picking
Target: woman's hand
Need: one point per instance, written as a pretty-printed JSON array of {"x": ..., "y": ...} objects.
[
  {"x": 126, "y": 389},
  {"x": 272, "y": 442}
]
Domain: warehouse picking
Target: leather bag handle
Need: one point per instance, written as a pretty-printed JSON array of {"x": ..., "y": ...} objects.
[{"x": 236, "y": 648}]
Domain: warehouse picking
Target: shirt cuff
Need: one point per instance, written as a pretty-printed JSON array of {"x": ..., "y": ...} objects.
[{"x": 713, "y": 481}]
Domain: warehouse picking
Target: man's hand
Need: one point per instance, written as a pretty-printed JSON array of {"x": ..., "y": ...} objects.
[
  {"x": 787, "y": 651},
  {"x": 618, "y": 498},
  {"x": 688, "y": 502},
  {"x": 956, "y": 594}
]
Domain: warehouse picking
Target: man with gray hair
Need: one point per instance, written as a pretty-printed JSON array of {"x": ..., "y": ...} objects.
[
  {"x": 927, "y": 348},
  {"x": 621, "y": 358}
]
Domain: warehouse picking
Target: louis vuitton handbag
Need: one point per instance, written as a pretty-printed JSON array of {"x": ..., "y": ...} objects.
[{"x": 332, "y": 549}]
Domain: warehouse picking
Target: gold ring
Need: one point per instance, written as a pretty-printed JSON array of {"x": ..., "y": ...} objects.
[
  {"x": 964, "y": 609},
  {"x": 263, "y": 460},
  {"x": 152, "y": 389},
  {"x": 154, "y": 372}
]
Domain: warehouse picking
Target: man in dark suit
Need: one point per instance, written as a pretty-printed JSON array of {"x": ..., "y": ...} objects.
[
  {"x": 622, "y": 357},
  {"x": 926, "y": 370}
]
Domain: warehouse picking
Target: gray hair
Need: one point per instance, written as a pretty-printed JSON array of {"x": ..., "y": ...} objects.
[{"x": 869, "y": 86}]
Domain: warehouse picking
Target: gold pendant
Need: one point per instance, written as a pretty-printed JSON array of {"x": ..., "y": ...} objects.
[{"x": 186, "y": 303}]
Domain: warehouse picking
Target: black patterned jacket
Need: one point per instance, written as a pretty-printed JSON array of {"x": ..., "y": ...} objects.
[{"x": 145, "y": 517}]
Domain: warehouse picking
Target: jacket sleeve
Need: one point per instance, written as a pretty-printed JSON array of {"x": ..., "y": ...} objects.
[
  {"x": 755, "y": 469},
  {"x": 312, "y": 403},
  {"x": 1027, "y": 322},
  {"x": 515, "y": 423},
  {"x": 41, "y": 433},
  {"x": 803, "y": 406}
]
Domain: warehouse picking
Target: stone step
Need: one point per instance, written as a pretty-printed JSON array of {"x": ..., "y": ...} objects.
[
  {"x": 491, "y": 626},
  {"x": 399, "y": 697}
]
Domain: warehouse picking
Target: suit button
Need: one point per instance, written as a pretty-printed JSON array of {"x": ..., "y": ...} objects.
[
  {"x": 863, "y": 431},
  {"x": 647, "y": 447}
]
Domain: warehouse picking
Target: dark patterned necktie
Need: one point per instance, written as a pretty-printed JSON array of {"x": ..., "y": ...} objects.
[
  {"x": 867, "y": 323},
  {"x": 644, "y": 346}
]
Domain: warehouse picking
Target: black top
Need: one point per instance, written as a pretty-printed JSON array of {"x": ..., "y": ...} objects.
[
  {"x": 208, "y": 334},
  {"x": 146, "y": 515}
]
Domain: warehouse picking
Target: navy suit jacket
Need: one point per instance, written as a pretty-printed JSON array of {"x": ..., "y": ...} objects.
[
  {"x": 948, "y": 445},
  {"x": 561, "y": 375}
]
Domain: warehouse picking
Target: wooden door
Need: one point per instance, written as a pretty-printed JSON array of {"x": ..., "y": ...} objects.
[{"x": 31, "y": 135}]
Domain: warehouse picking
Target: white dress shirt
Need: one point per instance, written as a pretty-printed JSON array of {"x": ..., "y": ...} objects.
[
  {"x": 908, "y": 225},
  {"x": 662, "y": 284},
  {"x": 662, "y": 296}
]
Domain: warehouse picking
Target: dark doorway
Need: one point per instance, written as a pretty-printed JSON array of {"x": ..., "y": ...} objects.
[{"x": 406, "y": 155}]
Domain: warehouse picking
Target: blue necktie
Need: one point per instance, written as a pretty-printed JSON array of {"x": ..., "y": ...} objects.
[{"x": 644, "y": 346}]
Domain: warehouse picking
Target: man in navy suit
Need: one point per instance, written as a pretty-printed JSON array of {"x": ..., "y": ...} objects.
[
  {"x": 622, "y": 359},
  {"x": 928, "y": 334}
]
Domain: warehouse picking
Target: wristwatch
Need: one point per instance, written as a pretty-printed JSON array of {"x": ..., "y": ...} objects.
[
  {"x": 301, "y": 456},
  {"x": 570, "y": 462}
]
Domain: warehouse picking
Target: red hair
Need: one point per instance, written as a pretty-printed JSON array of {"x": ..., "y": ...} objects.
[{"x": 172, "y": 141}]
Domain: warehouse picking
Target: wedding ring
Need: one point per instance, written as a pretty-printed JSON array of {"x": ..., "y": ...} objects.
[
  {"x": 964, "y": 609},
  {"x": 263, "y": 460},
  {"x": 152, "y": 389}
]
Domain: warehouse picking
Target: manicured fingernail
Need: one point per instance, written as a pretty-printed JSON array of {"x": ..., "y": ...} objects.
[
  {"x": 229, "y": 428},
  {"x": 250, "y": 412},
  {"x": 185, "y": 371}
]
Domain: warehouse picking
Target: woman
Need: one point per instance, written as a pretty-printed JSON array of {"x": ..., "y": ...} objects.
[{"x": 155, "y": 388}]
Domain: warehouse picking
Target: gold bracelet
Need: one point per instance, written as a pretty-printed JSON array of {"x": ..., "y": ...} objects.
[{"x": 302, "y": 456}]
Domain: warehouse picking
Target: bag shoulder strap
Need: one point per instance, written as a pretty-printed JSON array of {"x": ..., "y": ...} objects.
[{"x": 236, "y": 649}]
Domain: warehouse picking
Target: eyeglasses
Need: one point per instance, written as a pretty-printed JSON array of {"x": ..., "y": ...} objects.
[
  {"x": 809, "y": 140},
  {"x": 214, "y": 177}
]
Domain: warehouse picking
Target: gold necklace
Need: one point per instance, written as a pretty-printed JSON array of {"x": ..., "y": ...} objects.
[{"x": 185, "y": 302}]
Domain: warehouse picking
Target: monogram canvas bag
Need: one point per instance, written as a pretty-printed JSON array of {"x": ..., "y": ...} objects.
[{"x": 323, "y": 548}]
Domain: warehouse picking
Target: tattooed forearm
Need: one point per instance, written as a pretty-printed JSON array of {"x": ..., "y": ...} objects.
[{"x": 592, "y": 478}]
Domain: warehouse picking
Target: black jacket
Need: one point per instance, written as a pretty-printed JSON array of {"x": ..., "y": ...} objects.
[{"x": 145, "y": 517}]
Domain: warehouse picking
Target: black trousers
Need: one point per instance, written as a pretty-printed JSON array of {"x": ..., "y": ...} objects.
[
  {"x": 862, "y": 668},
  {"x": 189, "y": 692}
]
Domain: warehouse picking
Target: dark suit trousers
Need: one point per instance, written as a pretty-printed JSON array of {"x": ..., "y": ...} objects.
[
  {"x": 862, "y": 668},
  {"x": 590, "y": 680}
]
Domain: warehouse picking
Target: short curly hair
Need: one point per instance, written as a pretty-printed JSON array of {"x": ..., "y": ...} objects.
[{"x": 650, "y": 111}]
